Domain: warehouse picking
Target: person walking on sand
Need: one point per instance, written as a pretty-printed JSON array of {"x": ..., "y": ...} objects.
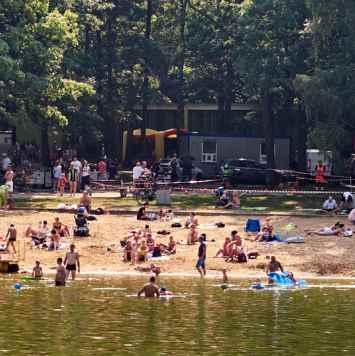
[
  {"x": 11, "y": 236},
  {"x": 150, "y": 290},
  {"x": 71, "y": 261},
  {"x": 60, "y": 275},
  {"x": 201, "y": 261}
]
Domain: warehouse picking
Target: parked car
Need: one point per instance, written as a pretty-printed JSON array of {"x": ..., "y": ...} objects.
[
  {"x": 165, "y": 169},
  {"x": 247, "y": 171}
]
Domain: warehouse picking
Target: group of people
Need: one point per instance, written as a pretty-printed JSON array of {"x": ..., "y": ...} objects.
[
  {"x": 64, "y": 270},
  {"x": 47, "y": 237},
  {"x": 345, "y": 206},
  {"x": 141, "y": 245}
]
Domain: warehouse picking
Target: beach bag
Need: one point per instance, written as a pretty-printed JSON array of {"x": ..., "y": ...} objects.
[
  {"x": 242, "y": 258},
  {"x": 220, "y": 225},
  {"x": 91, "y": 218},
  {"x": 99, "y": 211},
  {"x": 252, "y": 225},
  {"x": 348, "y": 233},
  {"x": 176, "y": 224},
  {"x": 82, "y": 231}
]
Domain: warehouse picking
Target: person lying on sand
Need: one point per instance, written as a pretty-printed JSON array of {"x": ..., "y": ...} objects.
[
  {"x": 152, "y": 268},
  {"x": 150, "y": 290},
  {"x": 334, "y": 230}
]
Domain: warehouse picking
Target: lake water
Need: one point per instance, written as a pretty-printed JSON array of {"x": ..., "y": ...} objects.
[{"x": 96, "y": 317}]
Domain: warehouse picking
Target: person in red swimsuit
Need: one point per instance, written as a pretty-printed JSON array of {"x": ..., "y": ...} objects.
[{"x": 320, "y": 174}]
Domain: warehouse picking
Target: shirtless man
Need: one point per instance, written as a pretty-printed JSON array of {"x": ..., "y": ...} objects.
[
  {"x": 150, "y": 290},
  {"x": 274, "y": 266},
  {"x": 71, "y": 261},
  {"x": 60, "y": 276},
  {"x": 11, "y": 236},
  {"x": 192, "y": 235},
  {"x": 37, "y": 271}
]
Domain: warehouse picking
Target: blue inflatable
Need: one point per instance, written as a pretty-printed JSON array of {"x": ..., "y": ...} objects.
[
  {"x": 257, "y": 286},
  {"x": 18, "y": 286},
  {"x": 283, "y": 279}
]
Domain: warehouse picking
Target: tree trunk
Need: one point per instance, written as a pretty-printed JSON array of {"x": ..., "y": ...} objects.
[
  {"x": 182, "y": 4},
  {"x": 268, "y": 122},
  {"x": 145, "y": 87},
  {"x": 302, "y": 140},
  {"x": 44, "y": 144}
]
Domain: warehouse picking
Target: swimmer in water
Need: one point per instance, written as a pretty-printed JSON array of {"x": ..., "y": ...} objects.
[
  {"x": 150, "y": 290},
  {"x": 37, "y": 271},
  {"x": 225, "y": 277},
  {"x": 164, "y": 292}
]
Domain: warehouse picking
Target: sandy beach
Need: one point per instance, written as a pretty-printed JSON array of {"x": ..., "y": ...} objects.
[{"x": 101, "y": 253}]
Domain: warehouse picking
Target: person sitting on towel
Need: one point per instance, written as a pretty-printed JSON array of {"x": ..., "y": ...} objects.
[{"x": 330, "y": 204}]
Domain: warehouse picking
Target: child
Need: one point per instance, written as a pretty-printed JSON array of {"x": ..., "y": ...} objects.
[
  {"x": 225, "y": 277},
  {"x": 61, "y": 273},
  {"x": 11, "y": 235},
  {"x": 62, "y": 181},
  {"x": 37, "y": 271}
]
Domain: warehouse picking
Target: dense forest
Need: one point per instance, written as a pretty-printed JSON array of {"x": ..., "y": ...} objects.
[{"x": 81, "y": 67}]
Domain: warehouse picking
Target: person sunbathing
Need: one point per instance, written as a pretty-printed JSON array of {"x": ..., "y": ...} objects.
[
  {"x": 171, "y": 249},
  {"x": 235, "y": 249},
  {"x": 267, "y": 232},
  {"x": 150, "y": 242},
  {"x": 127, "y": 252},
  {"x": 142, "y": 252},
  {"x": 85, "y": 201},
  {"x": 191, "y": 220},
  {"x": 192, "y": 236},
  {"x": 62, "y": 230},
  {"x": 54, "y": 241},
  {"x": 224, "y": 251},
  {"x": 334, "y": 230}
]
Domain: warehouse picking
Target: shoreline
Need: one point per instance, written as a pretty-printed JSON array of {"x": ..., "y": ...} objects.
[{"x": 193, "y": 275}]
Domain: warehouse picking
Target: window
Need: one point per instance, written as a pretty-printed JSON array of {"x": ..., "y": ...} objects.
[{"x": 209, "y": 151}]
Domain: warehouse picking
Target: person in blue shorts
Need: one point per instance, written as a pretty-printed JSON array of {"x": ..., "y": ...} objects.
[{"x": 201, "y": 261}]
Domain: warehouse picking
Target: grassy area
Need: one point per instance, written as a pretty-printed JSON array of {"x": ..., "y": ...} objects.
[{"x": 190, "y": 201}]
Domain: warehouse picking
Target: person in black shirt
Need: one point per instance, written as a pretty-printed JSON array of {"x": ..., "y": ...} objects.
[{"x": 201, "y": 261}]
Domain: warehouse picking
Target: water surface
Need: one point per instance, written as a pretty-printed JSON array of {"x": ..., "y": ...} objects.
[{"x": 96, "y": 317}]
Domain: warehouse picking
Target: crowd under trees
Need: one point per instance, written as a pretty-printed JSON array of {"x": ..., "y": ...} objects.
[{"x": 81, "y": 67}]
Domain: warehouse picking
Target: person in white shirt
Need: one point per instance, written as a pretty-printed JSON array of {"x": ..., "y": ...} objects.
[
  {"x": 57, "y": 171},
  {"x": 5, "y": 163},
  {"x": 330, "y": 204},
  {"x": 351, "y": 216},
  {"x": 137, "y": 171},
  {"x": 76, "y": 164}
]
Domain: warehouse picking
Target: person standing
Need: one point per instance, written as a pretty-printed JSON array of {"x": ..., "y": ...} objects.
[
  {"x": 72, "y": 261},
  {"x": 201, "y": 261},
  {"x": 60, "y": 275},
  {"x": 9, "y": 176},
  {"x": 57, "y": 172},
  {"x": 85, "y": 176},
  {"x": 101, "y": 168},
  {"x": 11, "y": 236},
  {"x": 150, "y": 290},
  {"x": 137, "y": 171},
  {"x": 174, "y": 164},
  {"x": 320, "y": 175},
  {"x": 73, "y": 177},
  {"x": 5, "y": 163}
]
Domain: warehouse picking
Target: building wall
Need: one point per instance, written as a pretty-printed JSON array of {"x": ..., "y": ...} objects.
[{"x": 237, "y": 147}]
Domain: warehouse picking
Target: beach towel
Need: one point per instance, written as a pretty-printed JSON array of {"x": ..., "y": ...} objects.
[{"x": 294, "y": 240}]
